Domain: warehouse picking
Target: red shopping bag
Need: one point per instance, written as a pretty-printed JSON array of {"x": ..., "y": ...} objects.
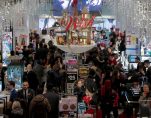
[{"x": 87, "y": 99}]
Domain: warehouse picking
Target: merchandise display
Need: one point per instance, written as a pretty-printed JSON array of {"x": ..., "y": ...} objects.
[
  {"x": 75, "y": 32},
  {"x": 72, "y": 71}
]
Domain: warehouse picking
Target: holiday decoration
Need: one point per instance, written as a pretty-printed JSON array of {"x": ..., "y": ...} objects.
[{"x": 75, "y": 32}]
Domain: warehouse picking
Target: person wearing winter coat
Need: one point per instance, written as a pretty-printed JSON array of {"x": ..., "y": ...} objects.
[
  {"x": 145, "y": 102},
  {"x": 39, "y": 106},
  {"x": 17, "y": 111}
]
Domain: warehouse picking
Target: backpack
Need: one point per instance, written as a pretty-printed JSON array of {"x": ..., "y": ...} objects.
[{"x": 39, "y": 109}]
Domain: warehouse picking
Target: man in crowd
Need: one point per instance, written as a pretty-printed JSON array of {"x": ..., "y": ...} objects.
[
  {"x": 13, "y": 93},
  {"x": 137, "y": 60},
  {"x": 31, "y": 77},
  {"x": 53, "y": 99},
  {"x": 26, "y": 93}
]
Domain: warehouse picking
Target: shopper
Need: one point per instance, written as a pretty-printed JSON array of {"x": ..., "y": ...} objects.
[
  {"x": 91, "y": 91},
  {"x": 39, "y": 70},
  {"x": 139, "y": 63},
  {"x": 31, "y": 77},
  {"x": 110, "y": 101},
  {"x": 13, "y": 96},
  {"x": 53, "y": 99},
  {"x": 79, "y": 89},
  {"x": 26, "y": 93},
  {"x": 17, "y": 111},
  {"x": 148, "y": 74},
  {"x": 146, "y": 65},
  {"x": 145, "y": 102},
  {"x": 13, "y": 92},
  {"x": 39, "y": 106},
  {"x": 2, "y": 75}
]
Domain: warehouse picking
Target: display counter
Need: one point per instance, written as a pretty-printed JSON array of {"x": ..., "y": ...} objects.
[{"x": 4, "y": 100}]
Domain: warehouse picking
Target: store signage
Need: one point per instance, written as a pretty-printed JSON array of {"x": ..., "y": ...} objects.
[
  {"x": 72, "y": 61},
  {"x": 72, "y": 77},
  {"x": 77, "y": 22},
  {"x": 83, "y": 71},
  {"x": 68, "y": 107}
]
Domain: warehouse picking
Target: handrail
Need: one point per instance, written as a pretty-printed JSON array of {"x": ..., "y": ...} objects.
[{"x": 128, "y": 101}]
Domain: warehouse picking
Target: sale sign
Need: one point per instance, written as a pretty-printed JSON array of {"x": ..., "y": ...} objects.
[{"x": 72, "y": 77}]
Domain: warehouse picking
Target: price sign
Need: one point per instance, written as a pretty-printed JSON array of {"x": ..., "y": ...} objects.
[
  {"x": 72, "y": 77},
  {"x": 83, "y": 71}
]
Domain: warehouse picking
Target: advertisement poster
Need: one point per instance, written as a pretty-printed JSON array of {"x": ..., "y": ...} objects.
[
  {"x": 132, "y": 45},
  {"x": 71, "y": 61},
  {"x": 15, "y": 73},
  {"x": 72, "y": 65},
  {"x": 131, "y": 40},
  {"x": 68, "y": 107},
  {"x": 23, "y": 39},
  {"x": 7, "y": 45}
]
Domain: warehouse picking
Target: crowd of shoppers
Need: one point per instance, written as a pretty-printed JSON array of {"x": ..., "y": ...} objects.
[{"x": 45, "y": 77}]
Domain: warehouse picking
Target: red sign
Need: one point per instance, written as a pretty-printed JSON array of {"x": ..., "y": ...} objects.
[
  {"x": 77, "y": 22},
  {"x": 72, "y": 61}
]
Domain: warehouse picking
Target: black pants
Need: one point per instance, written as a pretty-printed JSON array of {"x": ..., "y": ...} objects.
[{"x": 107, "y": 108}]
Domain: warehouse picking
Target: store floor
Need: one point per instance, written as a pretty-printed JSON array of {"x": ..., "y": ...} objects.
[{"x": 121, "y": 113}]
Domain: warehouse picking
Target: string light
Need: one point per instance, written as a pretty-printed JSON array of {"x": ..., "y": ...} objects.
[{"x": 132, "y": 15}]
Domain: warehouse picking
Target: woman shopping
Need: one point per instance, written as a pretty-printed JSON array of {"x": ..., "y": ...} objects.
[{"x": 145, "y": 102}]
